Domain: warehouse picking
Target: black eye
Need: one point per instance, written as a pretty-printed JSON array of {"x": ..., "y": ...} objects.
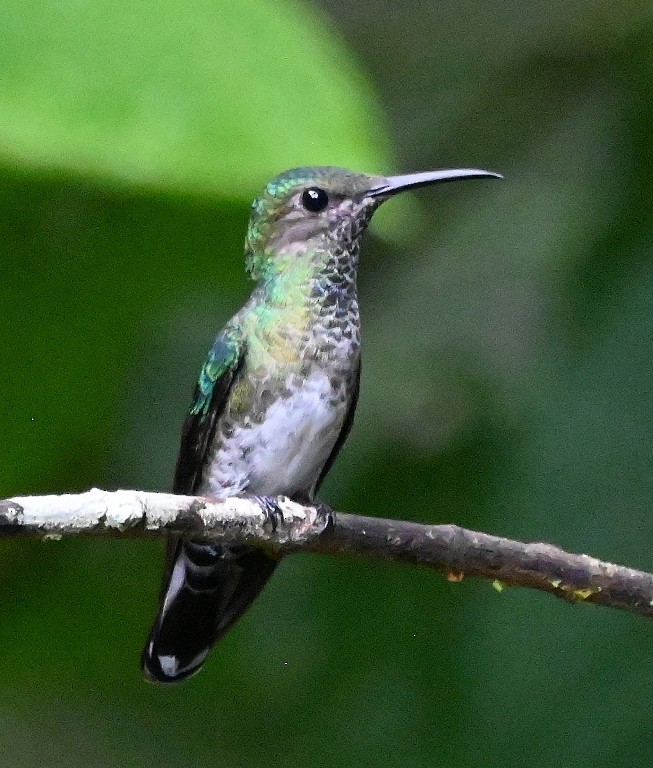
[{"x": 315, "y": 199}]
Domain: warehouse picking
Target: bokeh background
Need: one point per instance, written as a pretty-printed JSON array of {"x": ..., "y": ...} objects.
[{"x": 508, "y": 377}]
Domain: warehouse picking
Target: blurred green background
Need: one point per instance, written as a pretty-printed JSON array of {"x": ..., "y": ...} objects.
[{"x": 508, "y": 377}]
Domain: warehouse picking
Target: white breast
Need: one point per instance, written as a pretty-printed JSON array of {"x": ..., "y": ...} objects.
[{"x": 286, "y": 453}]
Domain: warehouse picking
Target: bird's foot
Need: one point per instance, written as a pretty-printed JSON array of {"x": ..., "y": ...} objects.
[{"x": 273, "y": 513}]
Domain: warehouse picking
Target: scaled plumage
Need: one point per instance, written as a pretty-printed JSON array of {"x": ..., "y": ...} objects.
[{"x": 276, "y": 396}]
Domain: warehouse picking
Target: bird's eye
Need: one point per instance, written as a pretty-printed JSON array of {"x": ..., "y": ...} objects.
[{"x": 315, "y": 199}]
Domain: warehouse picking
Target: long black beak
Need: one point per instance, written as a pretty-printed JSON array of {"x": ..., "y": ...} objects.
[{"x": 394, "y": 184}]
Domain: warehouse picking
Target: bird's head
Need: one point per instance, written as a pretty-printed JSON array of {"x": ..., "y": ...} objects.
[{"x": 305, "y": 214}]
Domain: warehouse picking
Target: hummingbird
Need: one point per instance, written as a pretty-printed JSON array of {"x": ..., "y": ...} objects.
[{"x": 276, "y": 396}]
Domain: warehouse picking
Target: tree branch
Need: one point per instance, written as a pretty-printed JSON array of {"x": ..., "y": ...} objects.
[{"x": 285, "y": 526}]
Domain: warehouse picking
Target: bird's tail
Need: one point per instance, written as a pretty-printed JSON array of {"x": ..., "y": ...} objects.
[{"x": 207, "y": 587}]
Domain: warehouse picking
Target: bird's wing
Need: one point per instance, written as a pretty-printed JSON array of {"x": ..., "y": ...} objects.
[
  {"x": 344, "y": 430},
  {"x": 205, "y": 587},
  {"x": 222, "y": 364}
]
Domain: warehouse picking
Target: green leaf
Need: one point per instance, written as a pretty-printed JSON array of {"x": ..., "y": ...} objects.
[{"x": 211, "y": 96}]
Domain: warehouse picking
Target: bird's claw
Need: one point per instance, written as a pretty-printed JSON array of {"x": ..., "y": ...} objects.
[{"x": 273, "y": 513}]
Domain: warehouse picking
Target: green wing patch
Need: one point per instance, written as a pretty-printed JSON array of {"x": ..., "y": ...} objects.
[
  {"x": 211, "y": 394},
  {"x": 222, "y": 358}
]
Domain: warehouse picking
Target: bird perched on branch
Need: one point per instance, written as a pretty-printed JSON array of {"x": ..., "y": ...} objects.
[{"x": 276, "y": 397}]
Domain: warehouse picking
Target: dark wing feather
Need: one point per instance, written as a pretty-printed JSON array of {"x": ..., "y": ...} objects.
[
  {"x": 345, "y": 429},
  {"x": 206, "y": 587},
  {"x": 223, "y": 363}
]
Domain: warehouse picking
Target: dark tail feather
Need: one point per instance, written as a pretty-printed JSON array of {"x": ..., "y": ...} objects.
[{"x": 208, "y": 587}]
